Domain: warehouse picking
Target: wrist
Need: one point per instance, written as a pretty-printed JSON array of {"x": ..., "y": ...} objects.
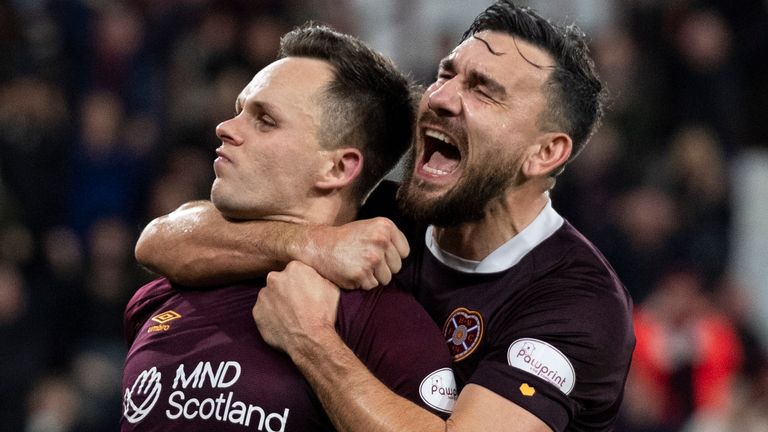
[
  {"x": 315, "y": 347},
  {"x": 304, "y": 244}
]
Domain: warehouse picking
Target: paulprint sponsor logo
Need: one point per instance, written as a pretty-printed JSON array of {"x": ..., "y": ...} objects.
[
  {"x": 543, "y": 360},
  {"x": 139, "y": 400},
  {"x": 211, "y": 402},
  {"x": 463, "y": 331},
  {"x": 438, "y": 390}
]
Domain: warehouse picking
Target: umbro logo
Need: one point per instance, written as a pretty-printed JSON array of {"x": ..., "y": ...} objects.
[{"x": 162, "y": 320}]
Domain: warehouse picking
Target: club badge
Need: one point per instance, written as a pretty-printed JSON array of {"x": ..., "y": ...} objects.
[{"x": 463, "y": 331}]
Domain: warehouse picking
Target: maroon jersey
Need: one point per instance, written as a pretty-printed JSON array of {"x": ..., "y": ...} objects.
[
  {"x": 198, "y": 362},
  {"x": 547, "y": 324}
]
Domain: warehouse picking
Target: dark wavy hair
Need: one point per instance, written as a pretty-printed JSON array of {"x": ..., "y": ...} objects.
[{"x": 575, "y": 94}]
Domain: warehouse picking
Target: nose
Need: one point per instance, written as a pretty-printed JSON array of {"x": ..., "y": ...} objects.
[
  {"x": 227, "y": 132},
  {"x": 444, "y": 98}
]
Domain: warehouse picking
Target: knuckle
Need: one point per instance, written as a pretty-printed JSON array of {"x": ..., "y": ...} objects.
[
  {"x": 381, "y": 239},
  {"x": 360, "y": 275},
  {"x": 271, "y": 277},
  {"x": 373, "y": 259}
]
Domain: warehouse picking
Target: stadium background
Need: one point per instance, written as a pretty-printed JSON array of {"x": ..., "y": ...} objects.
[{"x": 107, "y": 116}]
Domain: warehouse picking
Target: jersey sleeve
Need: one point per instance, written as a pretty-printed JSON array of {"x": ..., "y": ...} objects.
[
  {"x": 401, "y": 345},
  {"x": 568, "y": 367}
]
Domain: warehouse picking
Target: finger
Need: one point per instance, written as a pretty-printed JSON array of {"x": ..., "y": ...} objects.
[
  {"x": 369, "y": 282},
  {"x": 401, "y": 243},
  {"x": 351, "y": 284},
  {"x": 256, "y": 311},
  {"x": 392, "y": 257},
  {"x": 272, "y": 278},
  {"x": 382, "y": 273}
]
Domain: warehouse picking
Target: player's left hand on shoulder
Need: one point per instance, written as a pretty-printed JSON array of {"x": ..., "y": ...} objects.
[{"x": 295, "y": 305}]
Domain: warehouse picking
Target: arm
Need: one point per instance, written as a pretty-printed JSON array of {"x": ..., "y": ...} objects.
[
  {"x": 195, "y": 245},
  {"x": 356, "y": 401},
  {"x": 296, "y": 312}
]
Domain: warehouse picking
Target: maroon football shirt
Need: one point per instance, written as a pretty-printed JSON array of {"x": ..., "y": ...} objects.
[
  {"x": 197, "y": 361},
  {"x": 551, "y": 333}
]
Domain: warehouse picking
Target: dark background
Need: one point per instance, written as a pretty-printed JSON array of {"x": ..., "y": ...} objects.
[{"x": 107, "y": 117}]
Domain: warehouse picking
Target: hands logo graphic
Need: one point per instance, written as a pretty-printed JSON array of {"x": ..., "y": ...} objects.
[{"x": 139, "y": 400}]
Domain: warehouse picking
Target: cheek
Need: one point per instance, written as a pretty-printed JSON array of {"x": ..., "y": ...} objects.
[{"x": 500, "y": 135}]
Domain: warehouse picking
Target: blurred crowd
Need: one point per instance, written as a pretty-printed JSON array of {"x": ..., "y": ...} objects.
[{"x": 107, "y": 117}]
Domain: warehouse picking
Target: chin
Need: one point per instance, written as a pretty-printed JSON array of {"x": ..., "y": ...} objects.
[
  {"x": 224, "y": 205},
  {"x": 234, "y": 213}
]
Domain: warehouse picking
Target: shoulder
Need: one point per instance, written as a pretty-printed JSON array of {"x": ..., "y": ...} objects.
[
  {"x": 148, "y": 294},
  {"x": 390, "y": 304},
  {"x": 387, "y": 318},
  {"x": 574, "y": 301},
  {"x": 568, "y": 252},
  {"x": 141, "y": 306},
  {"x": 569, "y": 266},
  {"x": 400, "y": 344}
]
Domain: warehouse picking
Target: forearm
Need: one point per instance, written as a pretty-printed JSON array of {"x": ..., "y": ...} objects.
[
  {"x": 353, "y": 398},
  {"x": 195, "y": 245}
]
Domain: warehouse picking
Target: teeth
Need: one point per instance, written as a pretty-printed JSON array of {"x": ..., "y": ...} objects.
[
  {"x": 434, "y": 171},
  {"x": 437, "y": 135}
]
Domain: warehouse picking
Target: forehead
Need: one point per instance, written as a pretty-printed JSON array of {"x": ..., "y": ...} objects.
[
  {"x": 509, "y": 60},
  {"x": 291, "y": 80}
]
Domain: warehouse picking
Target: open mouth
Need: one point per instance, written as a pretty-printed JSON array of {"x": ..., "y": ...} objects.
[{"x": 441, "y": 156}]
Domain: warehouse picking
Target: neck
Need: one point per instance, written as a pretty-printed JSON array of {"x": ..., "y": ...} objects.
[
  {"x": 332, "y": 209},
  {"x": 504, "y": 218}
]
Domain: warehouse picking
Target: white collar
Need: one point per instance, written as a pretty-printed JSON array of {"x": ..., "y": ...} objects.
[{"x": 506, "y": 255}]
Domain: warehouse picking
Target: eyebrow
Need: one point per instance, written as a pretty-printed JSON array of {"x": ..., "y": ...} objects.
[
  {"x": 474, "y": 77},
  {"x": 260, "y": 105},
  {"x": 496, "y": 90},
  {"x": 447, "y": 65}
]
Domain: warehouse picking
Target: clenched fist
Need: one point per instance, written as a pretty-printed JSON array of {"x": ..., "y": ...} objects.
[
  {"x": 360, "y": 254},
  {"x": 296, "y": 305}
]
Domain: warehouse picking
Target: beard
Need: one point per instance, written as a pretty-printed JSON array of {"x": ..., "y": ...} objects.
[{"x": 466, "y": 202}]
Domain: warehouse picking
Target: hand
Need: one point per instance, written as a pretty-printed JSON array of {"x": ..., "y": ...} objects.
[
  {"x": 296, "y": 305},
  {"x": 139, "y": 400},
  {"x": 361, "y": 254}
]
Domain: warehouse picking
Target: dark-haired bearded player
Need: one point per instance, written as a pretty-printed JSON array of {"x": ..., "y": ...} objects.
[
  {"x": 538, "y": 323},
  {"x": 196, "y": 360}
]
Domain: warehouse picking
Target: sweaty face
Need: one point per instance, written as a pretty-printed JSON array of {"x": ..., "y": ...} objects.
[
  {"x": 477, "y": 124},
  {"x": 270, "y": 153}
]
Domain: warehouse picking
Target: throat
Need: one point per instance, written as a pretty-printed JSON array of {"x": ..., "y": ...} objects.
[
  {"x": 468, "y": 241},
  {"x": 476, "y": 240}
]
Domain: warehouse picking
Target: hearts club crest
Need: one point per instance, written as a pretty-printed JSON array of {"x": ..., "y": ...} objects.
[{"x": 463, "y": 331}]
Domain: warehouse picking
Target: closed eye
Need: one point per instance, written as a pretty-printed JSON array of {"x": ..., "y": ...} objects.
[
  {"x": 486, "y": 86},
  {"x": 267, "y": 120}
]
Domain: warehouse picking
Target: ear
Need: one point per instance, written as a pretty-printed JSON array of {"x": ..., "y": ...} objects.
[
  {"x": 550, "y": 152},
  {"x": 343, "y": 167}
]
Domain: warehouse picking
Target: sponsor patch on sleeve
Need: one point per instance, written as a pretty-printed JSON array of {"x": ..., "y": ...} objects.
[
  {"x": 438, "y": 390},
  {"x": 543, "y": 360}
]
